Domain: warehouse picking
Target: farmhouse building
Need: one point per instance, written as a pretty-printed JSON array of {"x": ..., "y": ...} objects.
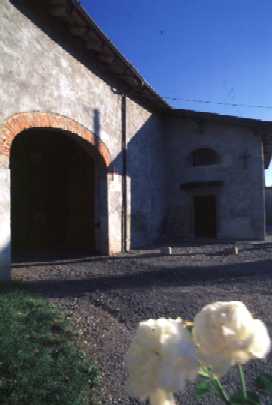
[{"x": 93, "y": 159}]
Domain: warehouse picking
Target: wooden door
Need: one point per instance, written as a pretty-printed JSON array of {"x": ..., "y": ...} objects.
[{"x": 205, "y": 216}]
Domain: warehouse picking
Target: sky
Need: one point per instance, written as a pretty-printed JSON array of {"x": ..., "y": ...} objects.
[{"x": 212, "y": 50}]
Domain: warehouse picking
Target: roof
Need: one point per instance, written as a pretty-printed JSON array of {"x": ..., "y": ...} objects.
[{"x": 81, "y": 25}]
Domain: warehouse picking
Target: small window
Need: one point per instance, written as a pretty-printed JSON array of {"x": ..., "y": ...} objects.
[{"x": 204, "y": 157}]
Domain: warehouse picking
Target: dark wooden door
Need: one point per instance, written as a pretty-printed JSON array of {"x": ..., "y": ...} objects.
[
  {"x": 53, "y": 195},
  {"x": 205, "y": 216}
]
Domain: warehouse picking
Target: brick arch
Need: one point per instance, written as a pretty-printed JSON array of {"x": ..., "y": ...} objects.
[{"x": 22, "y": 121}]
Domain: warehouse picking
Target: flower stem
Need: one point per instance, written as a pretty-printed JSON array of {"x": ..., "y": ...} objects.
[
  {"x": 243, "y": 381},
  {"x": 220, "y": 389}
]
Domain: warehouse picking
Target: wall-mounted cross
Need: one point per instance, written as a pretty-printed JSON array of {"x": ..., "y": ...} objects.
[{"x": 244, "y": 157}]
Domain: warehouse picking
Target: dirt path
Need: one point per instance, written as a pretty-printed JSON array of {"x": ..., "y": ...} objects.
[{"x": 107, "y": 297}]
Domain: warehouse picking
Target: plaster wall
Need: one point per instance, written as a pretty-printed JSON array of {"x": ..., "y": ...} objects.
[
  {"x": 240, "y": 200},
  {"x": 5, "y": 250},
  {"x": 146, "y": 172},
  {"x": 268, "y": 205},
  {"x": 38, "y": 72}
]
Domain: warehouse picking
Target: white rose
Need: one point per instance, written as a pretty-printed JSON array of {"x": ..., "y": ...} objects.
[
  {"x": 160, "y": 359},
  {"x": 161, "y": 397},
  {"x": 227, "y": 334}
]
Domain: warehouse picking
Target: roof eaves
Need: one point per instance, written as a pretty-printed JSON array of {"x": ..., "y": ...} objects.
[{"x": 130, "y": 75}]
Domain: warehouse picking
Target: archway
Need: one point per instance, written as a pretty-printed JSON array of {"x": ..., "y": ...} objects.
[
  {"x": 27, "y": 120},
  {"x": 55, "y": 178},
  {"x": 14, "y": 127},
  {"x": 52, "y": 195}
]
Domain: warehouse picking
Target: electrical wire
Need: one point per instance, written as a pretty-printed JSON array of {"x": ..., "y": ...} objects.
[{"x": 188, "y": 100}]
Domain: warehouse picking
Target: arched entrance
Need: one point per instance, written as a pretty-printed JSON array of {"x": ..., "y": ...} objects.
[
  {"x": 59, "y": 188},
  {"x": 52, "y": 195},
  {"x": 39, "y": 124}
]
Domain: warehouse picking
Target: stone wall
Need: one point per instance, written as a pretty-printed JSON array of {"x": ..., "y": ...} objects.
[{"x": 240, "y": 200}]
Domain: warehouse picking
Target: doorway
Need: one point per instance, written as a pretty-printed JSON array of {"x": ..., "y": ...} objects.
[
  {"x": 52, "y": 195},
  {"x": 205, "y": 216}
]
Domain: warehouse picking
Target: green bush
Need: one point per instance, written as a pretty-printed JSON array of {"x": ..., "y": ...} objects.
[{"x": 39, "y": 361}]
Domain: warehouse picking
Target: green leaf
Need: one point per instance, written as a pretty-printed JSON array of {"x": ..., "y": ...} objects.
[
  {"x": 238, "y": 399},
  {"x": 202, "y": 388},
  {"x": 264, "y": 383},
  {"x": 204, "y": 372}
]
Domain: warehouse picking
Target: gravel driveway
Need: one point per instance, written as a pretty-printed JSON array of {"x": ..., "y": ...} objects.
[{"x": 107, "y": 297}]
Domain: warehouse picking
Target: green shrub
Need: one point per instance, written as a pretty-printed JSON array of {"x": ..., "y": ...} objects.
[{"x": 39, "y": 361}]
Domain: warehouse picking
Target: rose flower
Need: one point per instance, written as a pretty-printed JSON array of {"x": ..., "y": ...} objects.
[
  {"x": 226, "y": 334},
  {"x": 160, "y": 359}
]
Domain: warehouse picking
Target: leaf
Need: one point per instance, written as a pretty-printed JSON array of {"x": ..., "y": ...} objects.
[
  {"x": 202, "y": 388},
  {"x": 264, "y": 383},
  {"x": 204, "y": 372},
  {"x": 238, "y": 399}
]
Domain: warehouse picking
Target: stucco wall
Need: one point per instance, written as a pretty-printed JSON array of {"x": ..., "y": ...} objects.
[
  {"x": 39, "y": 73},
  {"x": 240, "y": 200},
  {"x": 5, "y": 250},
  {"x": 268, "y": 205},
  {"x": 146, "y": 175}
]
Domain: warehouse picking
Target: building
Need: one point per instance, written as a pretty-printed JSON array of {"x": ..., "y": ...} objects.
[
  {"x": 93, "y": 159},
  {"x": 268, "y": 206}
]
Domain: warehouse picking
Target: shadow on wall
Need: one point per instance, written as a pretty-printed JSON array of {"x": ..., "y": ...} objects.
[
  {"x": 5, "y": 255},
  {"x": 140, "y": 165},
  {"x": 143, "y": 159}
]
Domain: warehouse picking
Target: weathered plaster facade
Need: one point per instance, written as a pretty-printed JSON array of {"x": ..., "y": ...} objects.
[
  {"x": 49, "y": 79},
  {"x": 240, "y": 173},
  {"x": 146, "y": 176},
  {"x": 38, "y": 75}
]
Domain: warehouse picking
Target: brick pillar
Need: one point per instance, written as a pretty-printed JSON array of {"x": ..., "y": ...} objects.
[{"x": 5, "y": 248}]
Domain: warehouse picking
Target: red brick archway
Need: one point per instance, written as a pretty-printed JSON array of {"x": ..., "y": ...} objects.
[{"x": 22, "y": 121}]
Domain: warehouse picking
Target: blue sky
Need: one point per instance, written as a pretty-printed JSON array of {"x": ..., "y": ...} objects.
[{"x": 194, "y": 49}]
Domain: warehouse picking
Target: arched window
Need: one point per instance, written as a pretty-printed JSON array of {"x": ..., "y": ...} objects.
[{"x": 204, "y": 157}]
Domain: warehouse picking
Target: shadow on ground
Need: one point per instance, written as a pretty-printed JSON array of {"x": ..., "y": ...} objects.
[{"x": 146, "y": 276}]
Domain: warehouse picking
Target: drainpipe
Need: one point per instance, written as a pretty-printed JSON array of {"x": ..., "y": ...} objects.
[{"x": 124, "y": 172}]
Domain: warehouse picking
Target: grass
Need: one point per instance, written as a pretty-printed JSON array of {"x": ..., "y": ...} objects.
[{"x": 39, "y": 360}]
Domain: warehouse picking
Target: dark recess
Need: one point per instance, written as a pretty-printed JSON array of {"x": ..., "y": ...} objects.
[
  {"x": 52, "y": 194},
  {"x": 205, "y": 216}
]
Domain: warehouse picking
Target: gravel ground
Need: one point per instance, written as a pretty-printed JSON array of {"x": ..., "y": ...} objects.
[{"x": 107, "y": 297}]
